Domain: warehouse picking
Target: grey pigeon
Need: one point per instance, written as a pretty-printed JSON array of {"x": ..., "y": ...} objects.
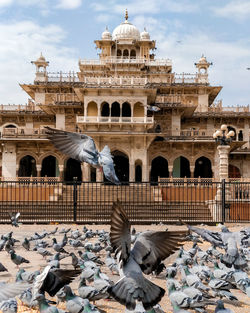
[
  {"x": 44, "y": 306},
  {"x": 11, "y": 290},
  {"x": 82, "y": 148},
  {"x": 3, "y": 268},
  {"x": 26, "y": 244},
  {"x": 14, "y": 217},
  {"x": 221, "y": 309},
  {"x": 9, "y": 306},
  {"x": 17, "y": 259},
  {"x": 149, "y": 250}
]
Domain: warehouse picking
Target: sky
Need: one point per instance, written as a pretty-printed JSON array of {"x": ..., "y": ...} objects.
[{"x": 64, "y": 31}]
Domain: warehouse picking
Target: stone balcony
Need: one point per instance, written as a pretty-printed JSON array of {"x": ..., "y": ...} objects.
[
  {"x": 23, "y": 133},
  {"x": 114, "y": 120},
  {"x": 119, "y": 60}
]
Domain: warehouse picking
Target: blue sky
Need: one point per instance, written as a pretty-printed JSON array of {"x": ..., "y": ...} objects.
[{"x": 64, "y": 30}]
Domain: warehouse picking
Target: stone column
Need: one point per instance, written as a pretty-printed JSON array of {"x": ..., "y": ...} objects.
[
  {"x": 131, "y": 172},
  {"x": 192, "y": 168},
  {"x": 99, "y": 175},
  {"x": 223, "y": 161},
  {"x": 9, "y": 160},
  {"x": 85, "y": 171},
  {"x": 61, "y": 171},
  {"x": 38, "y": 170},
  {"x": 170, "y": 170}
]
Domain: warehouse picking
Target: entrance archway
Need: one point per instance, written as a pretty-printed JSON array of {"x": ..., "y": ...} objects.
[
  {"x": 181, "y": 167},
  {"x": 159, "y": 168},
  {"x": 27, "y": 167},
  {"x": 121, "y": 163},
  {"x": 73, "y": 169},
  {"x": 203, "y": 168},
  {"x": 50, "y": 167},
  {"x": 233, "y": 171}
]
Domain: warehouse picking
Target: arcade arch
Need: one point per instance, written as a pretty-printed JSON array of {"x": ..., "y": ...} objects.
[
  {"x": 203, "y": 168},
  {"x": 181, "y": 167},
  {"x": 159, "y": 168},
  {"x": 27, "y": 167},
  {"x": 50, "y": 167}
]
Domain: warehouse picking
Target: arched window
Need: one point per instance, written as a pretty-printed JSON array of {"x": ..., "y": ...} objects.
[
  {"x": 115, "y": 109},
  {"x": 27, "y": 167},
  {"x": 105, "y": 109},
  {"x": 50, "y": 167},
  {"x": 132, "y": 54},
  {"x": 92, "y": 109},
  {"x": 181, "y": 167},
  {"x": 138, "y": 109},
  {"x": 159, "y": 168},
  {"x": 126, "y": 110},
  {"x": 125, "y": 54},
  {"x": 203, "y": 168},
  {"x": 119, "y": 53},
  {"x": 240, "y": 135},
  {"x": 235, "y": 133}
]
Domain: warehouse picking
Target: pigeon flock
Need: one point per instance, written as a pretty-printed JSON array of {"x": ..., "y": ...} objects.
[{"x": 80, "y": 267}]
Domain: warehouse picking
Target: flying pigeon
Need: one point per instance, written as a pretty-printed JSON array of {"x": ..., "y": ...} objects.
[
  {"x": 149, "y": 250},
  {"x": 82, "y": 148},
  {"x": 14, "y": 219}
]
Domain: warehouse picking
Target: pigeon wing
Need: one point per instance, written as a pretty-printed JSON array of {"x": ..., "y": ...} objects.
[
  {"x": 106, "y": 161},
  {"x": 210, "y": 236},
  {"x": 153, "y": 247},
  {"x": 8, "y": 291},
  {"x": 120, "y": 237},
  {"x": 58, "y": 278},
  {"x": 74, "y": 145}
]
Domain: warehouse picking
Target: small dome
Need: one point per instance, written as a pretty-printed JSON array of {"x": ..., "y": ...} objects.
[
  {"x": 41, "y": 58},
  {"x": 203, "y": 59},
  {"x": 145, "y": 35},
  {"x": 126, "y": 30},
  {"x": 106, "y": 35}
]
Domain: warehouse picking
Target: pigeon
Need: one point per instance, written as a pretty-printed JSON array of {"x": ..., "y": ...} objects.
[
  {"x": 74, "y": 260},
  {"x": 17, "y": 259},
  {"x": 221, "y": 309},
  {"x": 8, "y": 291},
  {"x": 82, "y": 148},
  {"x": 88, "y": 292},
  {"x": 58, "y": 247},
  {"x": 14, "y": 218},
  {"x": 52, "y": 280},
  {"x": 149, "y": 250},
  {"x": 26, "y": 244},
  {"x": 9, "y": 306},
  {"x": 44, "y": 252},
  {"x": 153, "y": 108},
  {"x": 3, "y": 268},
  {"x": 44, "y": 306}
]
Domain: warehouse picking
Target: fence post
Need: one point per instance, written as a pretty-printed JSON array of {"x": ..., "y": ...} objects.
[
  {"x": 74, "y": 198},
  {"x": 223, "y": 200}
]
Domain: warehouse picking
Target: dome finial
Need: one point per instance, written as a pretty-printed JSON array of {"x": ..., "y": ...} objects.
[{"x": 126, "y": 14}]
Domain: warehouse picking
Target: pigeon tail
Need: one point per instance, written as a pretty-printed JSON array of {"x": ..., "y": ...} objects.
[
  {"x": 240, "y": 262},
  {"x": 127, "y": 291}
]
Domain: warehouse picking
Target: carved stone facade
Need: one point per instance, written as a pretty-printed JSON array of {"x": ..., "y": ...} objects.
[{"x": 113, "y": 99}]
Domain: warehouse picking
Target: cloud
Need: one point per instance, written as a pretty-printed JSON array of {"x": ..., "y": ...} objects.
[
  {"x": 69, "y": 4},
  {"x": 5, "y": 3},
  {"x": 146, "y": 6},
  {"x": 22, "y": 42},
  {"x": 238, "y": 10}
]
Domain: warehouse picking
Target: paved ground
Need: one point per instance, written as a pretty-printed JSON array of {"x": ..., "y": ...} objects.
[{"x": 37, "y": 262}]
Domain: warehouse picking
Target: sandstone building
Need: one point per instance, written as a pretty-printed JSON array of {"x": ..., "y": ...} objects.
[{"x": 110, "y": 99}]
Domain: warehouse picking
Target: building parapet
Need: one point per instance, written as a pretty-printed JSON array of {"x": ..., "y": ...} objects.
[
  {"x": 23, "y": 132},
  {"x": 18, "y": 107},
  {"x": 115, "y": 60},
  {"x": 218, "y": 107}
]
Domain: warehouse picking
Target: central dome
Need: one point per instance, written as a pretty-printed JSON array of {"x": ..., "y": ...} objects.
[{"x": 126, "y": 30}]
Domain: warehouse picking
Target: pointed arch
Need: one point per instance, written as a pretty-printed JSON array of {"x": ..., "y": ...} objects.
[
  {"x": 92, "y": 109},
  {"x": 115, "y": 109},
  {"x": 50, "y": 167},
  {"x": 159, "y": 168},
  {"x": 181, "y": 167},
  {"x": 138, "y": 109},
  {"x": 27, "y": 167},
  {"x": 203, "y": 168},
  {"x": 126, "y": 109}
]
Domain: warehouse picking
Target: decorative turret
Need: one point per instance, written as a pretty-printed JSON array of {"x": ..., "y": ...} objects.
[
  {"x": 202, "y": 67},
  {"x": 41, "y": 69}
]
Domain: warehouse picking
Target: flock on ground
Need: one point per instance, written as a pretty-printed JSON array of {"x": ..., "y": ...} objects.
[{"x": 197, "y": 278}]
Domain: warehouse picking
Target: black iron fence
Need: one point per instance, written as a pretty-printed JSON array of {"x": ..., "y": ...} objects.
[{"x": 87, "y": 202}]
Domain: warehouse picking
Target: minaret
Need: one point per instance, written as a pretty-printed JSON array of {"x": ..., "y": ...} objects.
[
  {"x": 202, "y": 67},
  {"x": 41, "y": 69}
]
